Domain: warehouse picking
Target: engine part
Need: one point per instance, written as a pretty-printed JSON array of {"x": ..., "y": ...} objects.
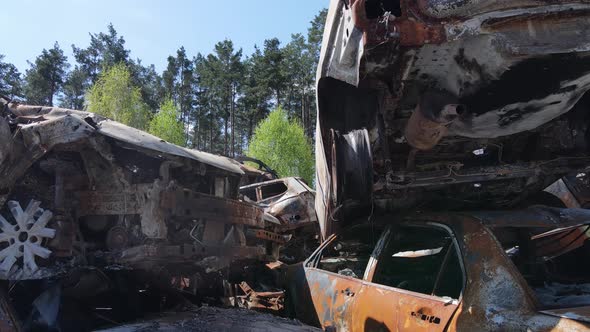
[
  {"x": 117, "y": 238},
  {"x": 429, "y": 121}
]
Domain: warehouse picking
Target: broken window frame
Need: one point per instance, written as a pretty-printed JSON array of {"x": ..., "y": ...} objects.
[
  {"x": 381, "y": 244},
  {"x": 315, "y": 258},
  {"x": 269, "y": 199},
  {"x": 381, "y": 247}
]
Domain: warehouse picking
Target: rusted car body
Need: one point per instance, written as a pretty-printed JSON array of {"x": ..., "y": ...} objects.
[
  {"x": 117, "y": 188},
  {"x": 289, "y": 199},
  {"x": 448, "y": 104},
  {"x": 83, "y": 197},
  {"x": 444, "y": 272}
]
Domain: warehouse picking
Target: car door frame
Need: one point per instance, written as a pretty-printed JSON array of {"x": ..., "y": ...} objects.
[
  {"x": 409, "y": 311},
  {"x": 332, "y": 294}
]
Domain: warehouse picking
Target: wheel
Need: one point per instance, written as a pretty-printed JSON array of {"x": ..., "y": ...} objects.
[{"x": 23, "y": 240}]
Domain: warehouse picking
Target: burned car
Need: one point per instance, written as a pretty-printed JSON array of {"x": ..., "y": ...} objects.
[
  {"x": 441, "y": 272},
  {"x": 85, "y": 200},
  {"x": 449, "y": 104},
  {"x": 291, "y": 201}
]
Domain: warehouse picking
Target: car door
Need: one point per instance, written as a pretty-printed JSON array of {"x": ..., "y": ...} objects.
[
  {"x": 413, "y": 283},
  {"x": 334, "y": 275}
]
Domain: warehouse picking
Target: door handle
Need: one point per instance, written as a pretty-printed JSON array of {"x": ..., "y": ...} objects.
[{"x": 347, "y": 292}]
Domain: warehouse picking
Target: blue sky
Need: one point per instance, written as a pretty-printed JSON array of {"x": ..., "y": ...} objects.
[{"x": 152, "y": 29}]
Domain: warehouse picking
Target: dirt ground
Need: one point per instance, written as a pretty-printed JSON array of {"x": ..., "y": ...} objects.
[{"x": 216, "y": 319}]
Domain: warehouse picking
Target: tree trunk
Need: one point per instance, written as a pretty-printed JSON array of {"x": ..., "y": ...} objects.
[
  {"x": 51, "y": 93},
  {"x": 241, "y": 146},
  {"x": 225, "y": 151},
  {"x": 211, "y": 133},
  {"x": 308, "y": 111},
  {"x": 290, "y": 99},
  {"x": 233, "y": 118},
  {"x": 196, "y": 134},
  {"x": 250, "y": 127},
  {"x": 303, "y": 109}
]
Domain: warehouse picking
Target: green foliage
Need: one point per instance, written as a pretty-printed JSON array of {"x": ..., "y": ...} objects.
[
  {"x": 10, "y": 80},
  {"x": 46, "y": 76},
  {"x": 179, "y": 83},
  {"x": 165, "y": 124},
  {"x": 74, "y": 89},
  {"x": 274, "y": 68},
  {"x": 256, "y": 95},
  {"x": 283, "y": 146},
  {"x": 221, "y": 72},
  {"x": 114, "y": 96},
  {"x": 315, "y": 33},
  {"x": 150, "y": 83},
  {"x": 219, "y": 97},
  {"x": 105, "y": 50}
]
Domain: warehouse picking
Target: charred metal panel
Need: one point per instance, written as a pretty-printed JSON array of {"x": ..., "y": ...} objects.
[
  {"x": 519, "y": 70},
  {"x": 146, "y": 256},
  {"x": 182, "y": 203},
  {"x": 380, "y": 307},
  {"x": 333, "y": 297},
  {"x": 292, "y": 205},
  {"x": 109, "y": 202}
]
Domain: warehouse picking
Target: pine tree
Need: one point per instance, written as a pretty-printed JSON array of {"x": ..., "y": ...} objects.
[
  {"x": 180, "y": 85},
  {"x": 221, "y": 74},
  {"x": 149, "y": 82},
  {"x": 315, "y": 33},
  {"x": 256, "y": 94},
  {"x": 300, "y": 68},
  {"x": 74, "y": 89},
  {"x": 274, "y": 71},
  {"x": 45, "y": 78},
  {"x": 10, "y": 80},
  {"x": 198, "y": 115},
  {"x": 105, "y": 50}
]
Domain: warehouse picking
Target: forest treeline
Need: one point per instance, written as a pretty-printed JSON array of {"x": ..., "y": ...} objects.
[{"x": 218, "y": 98}]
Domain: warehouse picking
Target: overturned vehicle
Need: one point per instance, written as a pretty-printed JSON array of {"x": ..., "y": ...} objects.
[
  {"x": 85, "y": 199},
  {"x": 431, "y": 113},
  {"x": 449, "y": 105}
]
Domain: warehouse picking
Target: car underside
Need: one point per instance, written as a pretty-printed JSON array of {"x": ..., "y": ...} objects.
[{"x": 449, "y": 104}]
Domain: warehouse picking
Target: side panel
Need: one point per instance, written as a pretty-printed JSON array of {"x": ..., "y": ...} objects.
[
  {"x": 333, "y": 298},
  {"x": 322, "y": 181},
  {"x": 381, "y": 308}
]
